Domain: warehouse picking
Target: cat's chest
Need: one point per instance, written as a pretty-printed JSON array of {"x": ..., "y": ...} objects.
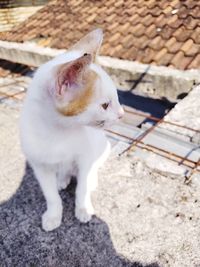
[
  {"x": 66, "y": 144},
  {"x": 58, "y": 145}
]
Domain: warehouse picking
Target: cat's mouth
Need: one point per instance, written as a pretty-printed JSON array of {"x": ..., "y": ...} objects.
[{"x": 98, "y": 124}]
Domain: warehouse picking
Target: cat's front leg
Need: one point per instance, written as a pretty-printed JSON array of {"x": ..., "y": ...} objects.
[
  {"x": 63, "y": 176},
  {"x": 46, "y": 177},
  {"x": 63, "y": 182},
  {"x": 84, "y": 209}
]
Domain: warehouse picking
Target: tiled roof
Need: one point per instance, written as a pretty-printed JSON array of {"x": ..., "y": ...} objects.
[
  {"x": 156, "y": 32},
  {"x": 9, "y": 17}
]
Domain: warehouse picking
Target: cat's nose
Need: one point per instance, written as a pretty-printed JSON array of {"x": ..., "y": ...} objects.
[{"x": 120, "y": 112}]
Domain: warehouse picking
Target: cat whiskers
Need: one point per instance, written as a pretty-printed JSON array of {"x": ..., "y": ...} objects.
[{"x": 98, "y": 124}]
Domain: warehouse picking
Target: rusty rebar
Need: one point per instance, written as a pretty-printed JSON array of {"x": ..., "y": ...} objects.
[
  {"x": 185, "y": 161},
  {"x": 194, "y": 169},
  {"x": 164, "y": 121}
]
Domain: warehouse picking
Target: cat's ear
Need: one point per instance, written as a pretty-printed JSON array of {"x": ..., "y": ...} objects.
[
  {"x": 90, "y": 43},
  {"x": 69, "y": 76}
]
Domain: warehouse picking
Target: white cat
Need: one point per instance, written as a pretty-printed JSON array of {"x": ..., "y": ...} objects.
[{"x": 67, "y": 105}]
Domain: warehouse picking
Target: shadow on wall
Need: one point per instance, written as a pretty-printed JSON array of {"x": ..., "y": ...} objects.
[
  {"x": 154, "y": 107},
  {"x": 24, "y": 243}
]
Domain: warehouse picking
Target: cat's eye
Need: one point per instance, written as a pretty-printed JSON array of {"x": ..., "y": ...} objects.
[{"x": 105, "y": 105}]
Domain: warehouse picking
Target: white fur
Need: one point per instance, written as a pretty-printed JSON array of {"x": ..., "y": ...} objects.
[{"x": 57, "y": 146}]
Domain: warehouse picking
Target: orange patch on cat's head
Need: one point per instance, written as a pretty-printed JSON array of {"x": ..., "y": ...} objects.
[{"x": 83, "y": 98}]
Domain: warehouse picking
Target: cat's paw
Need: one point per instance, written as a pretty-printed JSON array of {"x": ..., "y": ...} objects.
[
  {"x": 51, "y": 222},
  {"x": 83, "y": 214}
]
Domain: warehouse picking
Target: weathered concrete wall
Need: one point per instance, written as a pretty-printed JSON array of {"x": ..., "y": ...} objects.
[
  {"x": 27, "y": 53},
  {"x": 153, "y": 80}
]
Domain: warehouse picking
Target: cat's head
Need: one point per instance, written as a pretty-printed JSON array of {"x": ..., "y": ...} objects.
[{"x": 81, "y": 89}]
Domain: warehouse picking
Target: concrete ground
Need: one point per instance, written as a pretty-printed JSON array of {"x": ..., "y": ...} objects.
[
  {"x": 144, "y": 216},
  {"x": 187, "y": 113}
]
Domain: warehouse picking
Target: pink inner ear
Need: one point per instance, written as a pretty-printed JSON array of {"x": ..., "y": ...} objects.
[
  {"x": 69, "y": 76},
  {"x": 72, "y": 73}
]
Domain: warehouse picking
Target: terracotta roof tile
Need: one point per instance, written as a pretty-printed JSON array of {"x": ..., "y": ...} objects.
[
  {"x": 156, "y": 11},
  {"x": 182, "y": 34},
  {"x": 183, "y": 12},
  {"x": 190, "y": 23},
  {"x": 139, "y": 30},
  {"x": 195, "y": 11},
  {"x": 157, "y": 43},
  {"x": 148, "y": 20},
  {"x": 119, "y": 50},
  {"x": 175, "y": 3},
  {"x": 132, "y": 53},
  {"x": 172, "y": 45},
  {"x": 196, "y": 35},
  {"x": 167, "y": 10},
  {"x": 111, "y": 18},
  {"x": 189, "y": 48},
  {"x": 181, "y": 60},
  {"x": 130, "y": 3},
  {"x": 165, "y": 59},
  {"x": 145, "y": 55},
  {"x": 119, "y": 3},
  {"x": 160, "y": 21},
  {"x": 128, "y": 40},
  {"x": 150, "y": 31},
  {"x": 190, "y": 3},
  {"x": 150, "y": 4},
  {"x": 166, "y": 32},
  {"x": 125, "y": 27},
  {"x": 163, "y": 4},
  {"x": 115, "y": 38},
  {"x": 143, "y": 11},
  {"x": 195, "y": 62},
  {"x": 174, "y": 21},
  {"x": 135, "y": 19},
  {"x": 160, "y": 54},
  {"x": 130, "y": 11},
  {"x": 112, "y": 26},
  {"x": 105, "y": 48},
  {"x": 141, "y": 43}
]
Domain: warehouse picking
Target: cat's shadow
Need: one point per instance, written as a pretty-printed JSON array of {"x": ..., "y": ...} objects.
[{"x": 24, "y": 243}]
